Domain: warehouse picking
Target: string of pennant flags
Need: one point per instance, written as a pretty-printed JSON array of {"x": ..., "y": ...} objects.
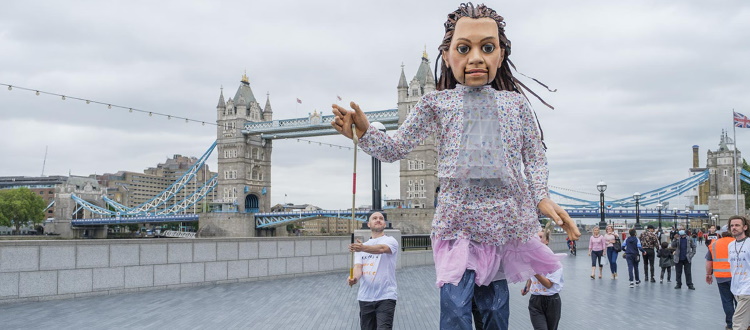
[{"x": 110, "y": 105}]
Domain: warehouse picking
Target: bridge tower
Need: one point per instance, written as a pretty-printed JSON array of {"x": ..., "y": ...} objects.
[
  {"x": 418, "y": 172},
  {"x": 699, "y": 194},
  {"x": 244, "y": 161},
  {"x": 721, "y": 177}
]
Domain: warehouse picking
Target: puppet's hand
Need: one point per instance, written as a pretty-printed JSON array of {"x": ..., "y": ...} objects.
[
  {"x": 560, "y": 217},
  {"x": 343, "y": 120}
]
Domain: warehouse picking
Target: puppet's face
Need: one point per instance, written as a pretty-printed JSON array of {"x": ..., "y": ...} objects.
[{"x": 474, "y": 53}]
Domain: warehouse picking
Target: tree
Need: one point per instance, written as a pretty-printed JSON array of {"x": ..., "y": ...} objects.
[
  {"x": 20, "y": 207},
  {"x": 134, "y": 227}
]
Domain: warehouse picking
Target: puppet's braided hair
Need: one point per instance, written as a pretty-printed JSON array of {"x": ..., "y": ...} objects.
[
  {"x": 547, "y": 230},
  {"x": 504, "y": 79}
]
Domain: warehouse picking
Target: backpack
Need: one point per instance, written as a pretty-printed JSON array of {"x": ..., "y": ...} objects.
[{"x": 617, "y": 245}]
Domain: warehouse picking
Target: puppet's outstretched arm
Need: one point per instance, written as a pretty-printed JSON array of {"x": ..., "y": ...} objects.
[{"x": 549, "y": 208}]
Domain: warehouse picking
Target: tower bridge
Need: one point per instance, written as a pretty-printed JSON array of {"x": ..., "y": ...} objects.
[
  {"x": 245, "y": 133},
  {"x": 314, "y": 125}
]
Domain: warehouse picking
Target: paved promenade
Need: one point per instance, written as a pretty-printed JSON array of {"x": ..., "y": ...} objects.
[{"x": 325, "y": 302}]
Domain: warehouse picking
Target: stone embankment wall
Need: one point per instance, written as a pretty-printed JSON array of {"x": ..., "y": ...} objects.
[
  {"x": 44, "y": 270},
  {"x": 558, "y": 244}
]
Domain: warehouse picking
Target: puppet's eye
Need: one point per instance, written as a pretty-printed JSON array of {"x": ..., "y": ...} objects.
[
  {"x": 462, "y": 49},
  {"x": 488, "y": 48}
]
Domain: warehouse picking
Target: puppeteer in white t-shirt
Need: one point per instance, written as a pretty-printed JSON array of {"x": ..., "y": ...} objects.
[
  {"x": 378, "y": 280},
  {"x": 739, "y": 264}
]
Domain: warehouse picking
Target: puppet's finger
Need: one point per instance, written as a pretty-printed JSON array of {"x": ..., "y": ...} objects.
[
  {"x": 356, "y": 108},
  {"x": 338, "y": 110}
]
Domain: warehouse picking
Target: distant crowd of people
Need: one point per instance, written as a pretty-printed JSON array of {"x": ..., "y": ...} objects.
[
  {"x": 647, "y": 246},
  {"x": 726, "y": 260}
]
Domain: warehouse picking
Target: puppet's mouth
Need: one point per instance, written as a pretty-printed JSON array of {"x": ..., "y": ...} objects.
[{"x": 476, "y": 72}]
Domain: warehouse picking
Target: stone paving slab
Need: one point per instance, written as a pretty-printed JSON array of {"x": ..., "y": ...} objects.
[{"x": 325, "y": 302}]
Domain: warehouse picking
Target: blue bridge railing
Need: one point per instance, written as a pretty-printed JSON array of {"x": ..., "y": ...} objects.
[{"x": 131, "y": 220}]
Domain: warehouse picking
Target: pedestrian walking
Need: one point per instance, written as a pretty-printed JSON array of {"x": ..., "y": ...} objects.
[
  {"x": 571, "y": 245},
  {"x": 632, "y": 248},
  {"x": 666, "y": 261},
  {"x": 712, "y": 235},
  {"x": 614, "y": 246},
  {"x": 684, "y": 248},
  {"x": 650, "y": 244},
  {"x": 717, "y": 265},
  {"x": 597, "y": 246}
]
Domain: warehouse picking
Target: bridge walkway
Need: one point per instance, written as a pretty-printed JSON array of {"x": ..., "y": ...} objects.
[{"x": 325, "y": 302}]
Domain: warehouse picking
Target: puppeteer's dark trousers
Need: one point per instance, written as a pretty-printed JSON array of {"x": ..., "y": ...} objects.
[
  {"x": 727, "y": 301},
  {"x": 688, "y": 272},
  {"x": 545, "y": 311},
  {"x": 376, "y": 315},
  {"x": 491, "y": 301},
  {"x": 648, "y": 262}
]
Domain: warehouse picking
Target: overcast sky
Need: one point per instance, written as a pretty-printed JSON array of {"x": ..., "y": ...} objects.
[{"x": 639, "y": 82}]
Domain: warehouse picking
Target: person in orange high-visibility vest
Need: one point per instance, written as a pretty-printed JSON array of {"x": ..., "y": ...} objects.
[{"x": 717, "y": 264}]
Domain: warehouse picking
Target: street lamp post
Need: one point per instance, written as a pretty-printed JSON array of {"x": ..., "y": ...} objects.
[
  {"x": 659, "y": 207},
  {"x": 637, "y": 197},
  {"x": 674, "y": 218},
  {"x": 687, "y": 220},
  {"x": 601, "y": 186},
  {"x": 377, "y": 198}
]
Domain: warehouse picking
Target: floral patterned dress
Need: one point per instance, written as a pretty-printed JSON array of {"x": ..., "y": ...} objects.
[{"x": 492, "y": 171}]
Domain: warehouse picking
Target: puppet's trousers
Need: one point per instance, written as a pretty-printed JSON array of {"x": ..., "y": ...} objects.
[{"x": 491, "y": 301}]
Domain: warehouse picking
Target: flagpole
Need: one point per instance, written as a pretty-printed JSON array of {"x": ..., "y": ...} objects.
[{"x": 734, "y": 161}]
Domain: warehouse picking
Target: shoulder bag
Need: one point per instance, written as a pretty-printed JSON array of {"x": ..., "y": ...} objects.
[{"x": 617, "y": 245}]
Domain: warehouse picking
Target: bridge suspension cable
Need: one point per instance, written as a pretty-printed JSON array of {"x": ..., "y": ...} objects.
[
  {"x": 648, "y": 198},
  {"x": 745, "y": 176},
  {"x": 154, "y": 206}
]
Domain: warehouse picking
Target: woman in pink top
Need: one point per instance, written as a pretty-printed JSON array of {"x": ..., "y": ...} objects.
[{"x": 597, "y": 245}]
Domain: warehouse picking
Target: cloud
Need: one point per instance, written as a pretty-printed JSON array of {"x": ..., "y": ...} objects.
[{"x": 638, "y": 82}]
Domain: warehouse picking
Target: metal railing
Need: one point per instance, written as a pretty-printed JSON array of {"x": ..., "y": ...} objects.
[{"x": 416, "y": 242}]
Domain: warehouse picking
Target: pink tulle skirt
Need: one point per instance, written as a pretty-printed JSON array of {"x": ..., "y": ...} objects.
[{"x": 515, "y": 261}]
